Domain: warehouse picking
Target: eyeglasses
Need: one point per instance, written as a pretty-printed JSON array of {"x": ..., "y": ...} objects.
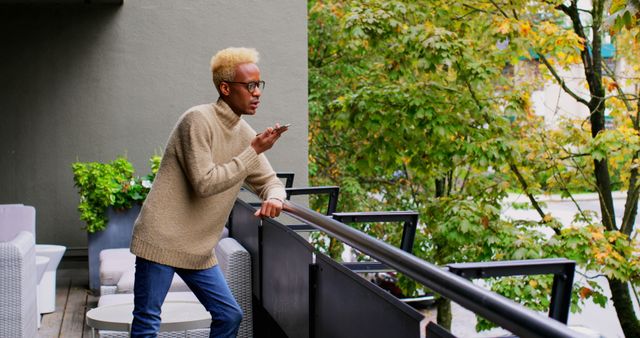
[{"x": 251, "y": 86}]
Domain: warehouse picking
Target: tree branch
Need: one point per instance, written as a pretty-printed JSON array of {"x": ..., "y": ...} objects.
[
  {"x": 631, "y": 205},
  {"x": 498, "y": 8},
  {"x": 561, "y": 81},
  {"x": 622, "y": 94},
  {"x": 532, "y": 199},
  {"x": 513, "y": 11}
]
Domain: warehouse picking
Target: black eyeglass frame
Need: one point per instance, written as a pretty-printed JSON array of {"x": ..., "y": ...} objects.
[{"x": 251, "y": 86}]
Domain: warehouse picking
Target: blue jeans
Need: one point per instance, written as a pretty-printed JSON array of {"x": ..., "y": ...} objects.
[{"x": 152, "y": 282}]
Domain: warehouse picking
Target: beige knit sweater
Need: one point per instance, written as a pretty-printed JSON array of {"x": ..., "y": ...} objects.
[{"x": 207, "y": 159}]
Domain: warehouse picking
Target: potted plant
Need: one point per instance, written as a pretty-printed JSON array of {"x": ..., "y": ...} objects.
[{"x": 110, "y": 200}]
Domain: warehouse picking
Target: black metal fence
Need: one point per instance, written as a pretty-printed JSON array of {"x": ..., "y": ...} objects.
[{"x": 299, "y": 292}]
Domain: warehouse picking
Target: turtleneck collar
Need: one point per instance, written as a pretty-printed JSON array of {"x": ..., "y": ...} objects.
[{"x": 225, "y": 114}]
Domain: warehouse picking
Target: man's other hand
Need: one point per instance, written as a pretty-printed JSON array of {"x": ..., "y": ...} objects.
[{"x": 270, "y": 208}]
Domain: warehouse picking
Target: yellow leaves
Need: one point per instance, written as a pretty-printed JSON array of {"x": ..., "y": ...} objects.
[
  {"x": 568, "y": 59},
  {"x": 600, "y": 257},
  {"x": 504, "y": 27},
  {"x": 332, "y": 158},
  {"x": 334, "y": 172},
  {"x": 549, "y": 28},
  {"x": 597, "y": 236},
  {"x": 575, "y": 40},
  {"x": 573, "y": 59},
  {"x": 617, "y": 5},
  {"x": 428, "y": 27},
  {"x": 525, "y": 99},
  {"x": 337, "y": 10},
  {"x": 562, "y": 55},
  {"x": 317, "y": 7},
  {"x": 615, "y": 255},
  {"x": 402, "y": 28},
  {"x": 533, "y": 283},
  {"x": 525, "y": 28},
  {"x": 613, "y": 236}
]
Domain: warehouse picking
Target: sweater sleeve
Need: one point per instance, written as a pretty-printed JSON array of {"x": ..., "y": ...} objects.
[
  {"x": 265, "y": 182},
  {"x": 194, "y": 152}
]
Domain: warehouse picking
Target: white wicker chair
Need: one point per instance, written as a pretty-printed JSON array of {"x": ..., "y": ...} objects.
[
  {"x": 235, "y": 263},
  {"x": 18, "y": 285}
]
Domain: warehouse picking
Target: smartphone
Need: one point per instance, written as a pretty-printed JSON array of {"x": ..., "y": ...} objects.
[
  {"x": 282, "y": 127},
  {"x": 275, "y": 130}
]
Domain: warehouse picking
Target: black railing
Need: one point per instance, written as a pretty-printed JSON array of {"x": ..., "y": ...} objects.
[
  {"x": 561, "y": 268},
  {"x": 300, "y": 292},
  {"x": 495, "y": 308}
]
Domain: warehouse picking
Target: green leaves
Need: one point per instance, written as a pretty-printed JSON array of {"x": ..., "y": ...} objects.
[
  {"x": 428, "y": 106},
  {"x": 104, "y": 185}
]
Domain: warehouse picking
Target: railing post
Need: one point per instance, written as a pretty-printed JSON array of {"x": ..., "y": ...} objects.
[
  {"x": 562, "y": 270},
  {"x": 313, "y": 286},
  {"x": 561, "y": 293},
  {"x": 409, "y": 234}
]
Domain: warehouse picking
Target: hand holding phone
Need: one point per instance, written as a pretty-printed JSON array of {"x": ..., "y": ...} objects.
[{"x": 264, "y": 141}]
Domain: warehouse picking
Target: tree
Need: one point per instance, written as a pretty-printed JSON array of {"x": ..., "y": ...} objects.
[
  {"x": 413, "y": 106},
  {"x": 606, "y": 148}
]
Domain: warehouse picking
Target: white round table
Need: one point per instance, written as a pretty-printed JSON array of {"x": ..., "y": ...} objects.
[{"x": 176, "y": 316}]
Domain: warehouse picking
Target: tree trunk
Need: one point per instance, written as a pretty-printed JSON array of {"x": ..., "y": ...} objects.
[
  {"x": 592, "y": 62},
  {"x": 444, "y": 305},
  {"x": 624, "y": 308},
  {"x": 444, "y": 313}
]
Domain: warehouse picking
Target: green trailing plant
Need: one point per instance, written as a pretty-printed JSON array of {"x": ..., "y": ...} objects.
[{"x": 104, "y": 185}]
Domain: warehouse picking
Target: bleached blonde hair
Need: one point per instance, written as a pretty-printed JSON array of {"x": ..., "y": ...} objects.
[{"x": 224, "y": 63}]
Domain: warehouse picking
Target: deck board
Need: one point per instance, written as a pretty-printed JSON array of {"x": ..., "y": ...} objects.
[
  {"x": 73, "y": 318},
  {"x": 51, "y": 322},
  {"x": 73, "y": 299}
]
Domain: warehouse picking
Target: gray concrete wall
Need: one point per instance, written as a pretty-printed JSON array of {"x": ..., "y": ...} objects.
[{"x": 90, "y": 82}]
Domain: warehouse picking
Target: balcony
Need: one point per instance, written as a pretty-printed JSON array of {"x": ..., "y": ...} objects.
[{"x": 299, "y": 292}]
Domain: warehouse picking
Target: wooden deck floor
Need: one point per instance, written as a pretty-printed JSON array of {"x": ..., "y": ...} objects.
[{"x": 73, "y": 299}]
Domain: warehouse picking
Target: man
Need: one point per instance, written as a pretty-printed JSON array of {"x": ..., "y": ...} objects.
[{"x": 211, "y": 152}]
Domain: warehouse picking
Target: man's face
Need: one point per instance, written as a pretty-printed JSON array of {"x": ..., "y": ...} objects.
[{"x": 236, "y": 94}]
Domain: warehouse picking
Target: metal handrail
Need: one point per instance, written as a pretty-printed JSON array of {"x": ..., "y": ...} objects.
[{"x": 496, "y": 308}]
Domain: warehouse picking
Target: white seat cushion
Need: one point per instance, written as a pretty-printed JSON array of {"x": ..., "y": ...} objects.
[
  {"x": 125, "y": 284},
  {"x": 125, "y": 298},
  {"x": 113, "y": 263}
]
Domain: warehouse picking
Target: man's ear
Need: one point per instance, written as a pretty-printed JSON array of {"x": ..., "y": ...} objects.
[{"x": 225, "y": 89}]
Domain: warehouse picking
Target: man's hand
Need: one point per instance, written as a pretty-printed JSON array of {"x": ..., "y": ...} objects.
[
  {"x": 270, "y": 208},
  {"x": 265, "y": 140}
]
